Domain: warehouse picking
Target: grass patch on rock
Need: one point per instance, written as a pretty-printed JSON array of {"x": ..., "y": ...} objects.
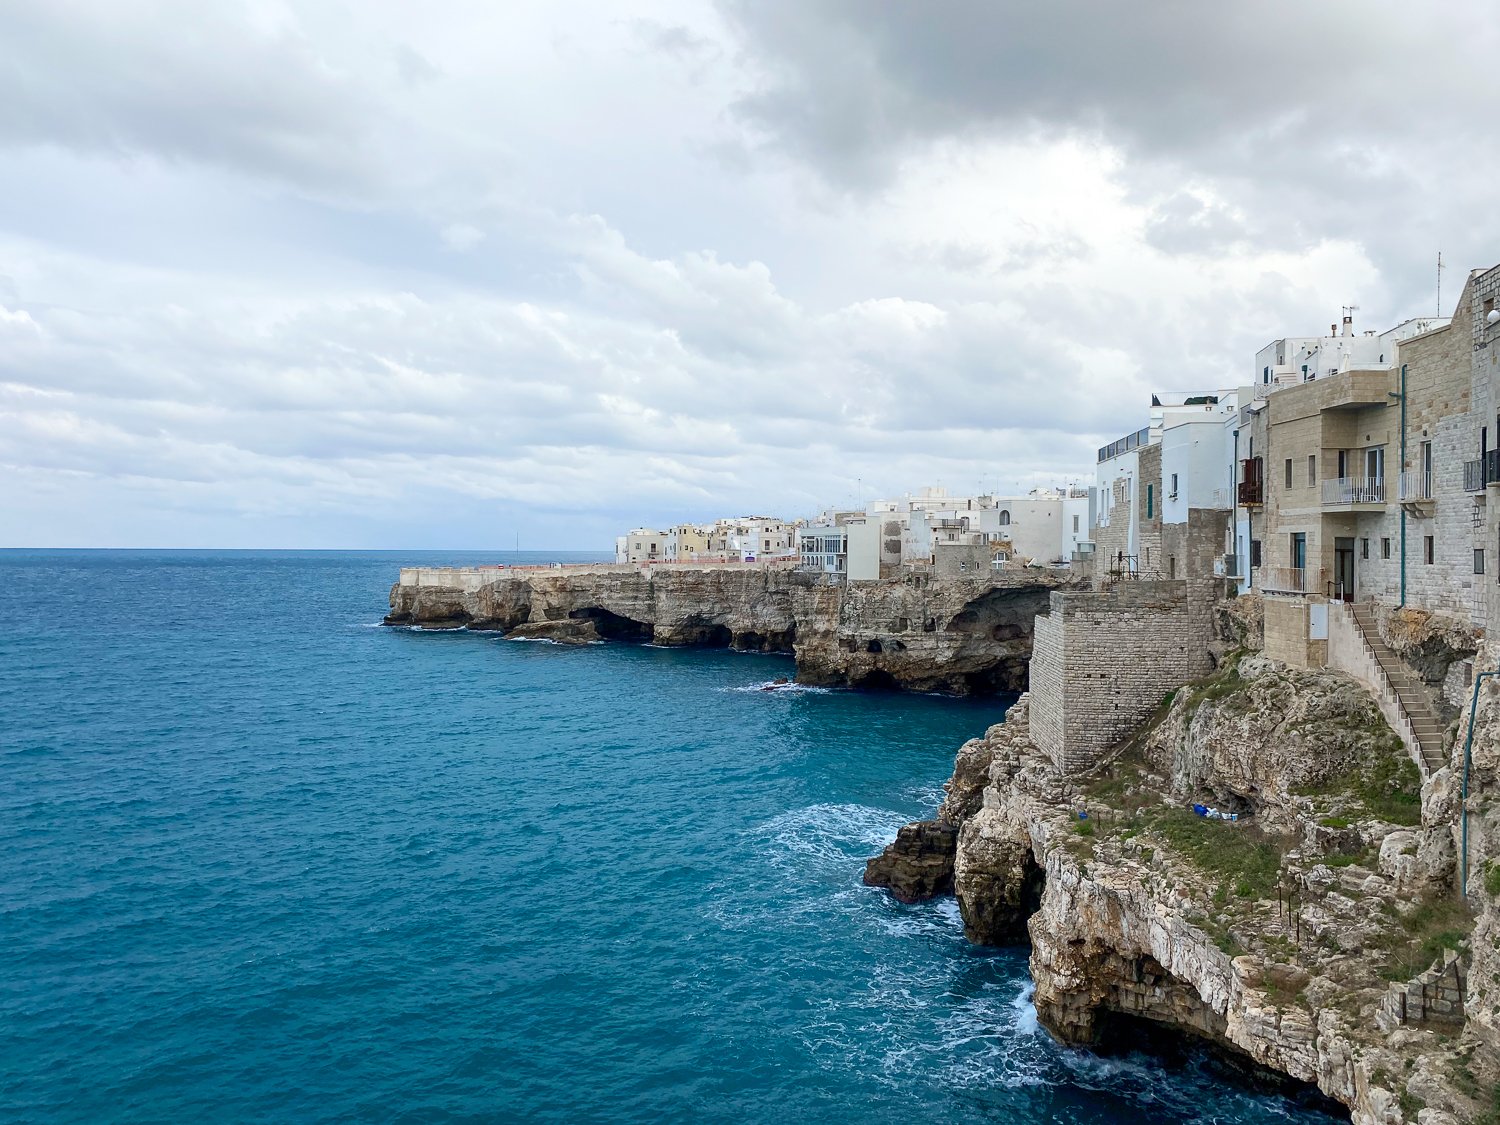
[
  {"x": 1384, "y": 780},
  {"x": 1243, "y": 857},
  {"x": 1417, "y": 937}
]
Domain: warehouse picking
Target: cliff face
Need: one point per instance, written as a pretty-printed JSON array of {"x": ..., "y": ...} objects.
[
  {"x": 960, "y": 635},
  {"x": 1275, "y": 937}
]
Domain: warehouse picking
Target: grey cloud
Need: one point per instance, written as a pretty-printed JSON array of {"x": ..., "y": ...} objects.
[{"x": 184, "y": 81}]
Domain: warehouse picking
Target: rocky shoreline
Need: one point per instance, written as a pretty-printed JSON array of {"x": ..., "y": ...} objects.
[
  {"x": 1285, "y": 938},
  {"x": 964, "y": 636}
]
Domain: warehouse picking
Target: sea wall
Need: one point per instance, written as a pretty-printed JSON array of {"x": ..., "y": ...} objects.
[{"x": 965, "y": 635}]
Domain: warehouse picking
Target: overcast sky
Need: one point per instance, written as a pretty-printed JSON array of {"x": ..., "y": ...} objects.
[{"x": 382, "y": 274}]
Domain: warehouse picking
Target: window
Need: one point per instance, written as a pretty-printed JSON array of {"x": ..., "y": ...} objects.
[
  {"x": 1173, "y": 493},
  {"x": 1150, "y": 500},
  {"x": 1299, "y": 550},
  {"x": 1312, "y": 469},
  {"x": 1478, "y": 560},
  {"x": 1364, "y": 548},
  {"x": 1427, "y": 549},
  {"x": 1375, "y": 462},
  {"x": 1289, "y": 472},
  {"x": 1075, "y": 524},
  {"x": 1004, "y": 517},
  {"x": 1385, "y": 548},
  {"x": 1254, "y": 552},
  {"x": 1171, "y": 566}
]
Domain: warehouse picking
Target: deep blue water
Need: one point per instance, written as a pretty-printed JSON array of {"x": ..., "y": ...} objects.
[{"x": 261, "y": 861}]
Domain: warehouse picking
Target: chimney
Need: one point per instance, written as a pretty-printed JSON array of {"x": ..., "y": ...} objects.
[
  {"x": 1348, "y": 324},
  {"x": 1333, "y": 329}
]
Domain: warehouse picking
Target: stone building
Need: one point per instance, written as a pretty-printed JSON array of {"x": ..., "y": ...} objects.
[
  {"x": 1102, "y": 660},
  {"x": 1372, "y": 481}
]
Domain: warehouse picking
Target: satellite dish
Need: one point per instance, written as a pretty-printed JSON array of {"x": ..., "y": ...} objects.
[{"x": 1494, "y": 317}]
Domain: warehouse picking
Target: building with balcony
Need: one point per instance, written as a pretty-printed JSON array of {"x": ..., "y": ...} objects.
[
  {"x": 1326, "y": 473},
  {"x": 1373, "y": 483}
]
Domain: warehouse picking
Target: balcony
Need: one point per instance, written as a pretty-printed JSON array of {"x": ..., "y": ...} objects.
[
  {"x": 1416, "y": 486},
  {"x": 1291, "y": 580},
  {"x": 1473, "y": 476},
  {"x": 1351, "y": 491},
  {"x": 1252, "y": 486}
]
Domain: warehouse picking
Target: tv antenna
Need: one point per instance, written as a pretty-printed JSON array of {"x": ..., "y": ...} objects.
[{"x": 1440, "y": 284}]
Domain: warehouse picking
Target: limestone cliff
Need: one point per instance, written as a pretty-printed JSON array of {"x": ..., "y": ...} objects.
[
  {"x": 1276, "y": 937},
  {"x": 960, "y": 635}
]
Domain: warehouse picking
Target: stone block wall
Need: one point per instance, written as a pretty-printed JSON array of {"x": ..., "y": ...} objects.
[
  {"x": 1151, "y": 564},
  {"x": 1289, "y": 634},
  {"x": 1102, "y": 662},
  {"x": 1436, "y": 996},
  {"x": 1439, "y": 387}
]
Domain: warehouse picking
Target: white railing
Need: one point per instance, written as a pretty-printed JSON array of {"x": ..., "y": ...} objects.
[
  {"x": 1220, "y": 499},
  {"x": 1291, "y": 579},
  {"x": 1416, "y": 486},
  {"x": 1354, "y": 490}
]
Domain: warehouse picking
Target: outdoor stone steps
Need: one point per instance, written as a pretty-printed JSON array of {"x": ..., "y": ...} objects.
[{"x": 1409, "y": 691}]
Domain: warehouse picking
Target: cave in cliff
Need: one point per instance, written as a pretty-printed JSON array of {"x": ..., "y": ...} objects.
[
  {"x": 1121, "y": 1033},
  {"x": 613, "y": 627}
]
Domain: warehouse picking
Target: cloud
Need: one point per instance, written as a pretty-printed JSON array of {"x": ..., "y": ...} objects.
[{"x": 269, "y": 274}]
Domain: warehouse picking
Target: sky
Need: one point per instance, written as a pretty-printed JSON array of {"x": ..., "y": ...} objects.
[{"x": 480, "y": 274}]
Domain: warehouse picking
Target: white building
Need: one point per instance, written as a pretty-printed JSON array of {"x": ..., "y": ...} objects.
[
  {"x": 643, "y": 544},
  {"x": 1301, "y": 359}
]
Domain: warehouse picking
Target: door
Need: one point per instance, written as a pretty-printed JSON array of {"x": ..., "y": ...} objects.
[
  {"x": 1372, "y": 491},
  {"x": 1343, "y": 569}
]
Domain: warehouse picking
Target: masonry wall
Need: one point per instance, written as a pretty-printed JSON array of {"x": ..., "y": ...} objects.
[
  {"x": 1484, "y": 294},
  {"x": 1439, "y": 382},
  {"x": 1102, "y": 662},
  {"x": 1150, "y": 495},
  {"x": 1288, "y": 633}
]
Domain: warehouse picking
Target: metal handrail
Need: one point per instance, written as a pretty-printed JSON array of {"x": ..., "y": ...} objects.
[
  {"x": 1416, "y": 485},
  {"x": 1354, "y": 490}
]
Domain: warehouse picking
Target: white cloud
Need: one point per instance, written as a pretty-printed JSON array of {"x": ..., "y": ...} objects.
[{"x": 267, "y": 275}]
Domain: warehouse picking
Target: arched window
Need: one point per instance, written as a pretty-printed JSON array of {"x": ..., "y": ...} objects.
[{"x": 1004, "y": 517}]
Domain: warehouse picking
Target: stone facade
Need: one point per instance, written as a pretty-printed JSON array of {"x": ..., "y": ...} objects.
[
  {"x": 1148, "y": 502},
  {"x": 1102, "y": 662},
  {"x": 1439, "y": 432}
]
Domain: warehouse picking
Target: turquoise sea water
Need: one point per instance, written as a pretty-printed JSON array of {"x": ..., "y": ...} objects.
[{"x": 263, "y": 861}]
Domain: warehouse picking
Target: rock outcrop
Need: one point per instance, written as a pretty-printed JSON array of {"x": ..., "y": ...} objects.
[
  {"x": 1275, "y": 937},
  {"x": 919, "y": 865},
  {"x": 960, "y": 635}
]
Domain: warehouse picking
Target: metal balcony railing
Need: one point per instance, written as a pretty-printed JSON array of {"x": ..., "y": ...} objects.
[
  {"x": 1354, "y": 490},
  {"x": 1291, "y": 579},
  {"x": 1416, "y": 485},
  {"x": 1473, "y": 476}
]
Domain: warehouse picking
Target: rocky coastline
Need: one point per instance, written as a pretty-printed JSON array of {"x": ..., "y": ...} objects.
[
  {"x": 1319, "y": 938},
  {"x": 965, "y": 636}
]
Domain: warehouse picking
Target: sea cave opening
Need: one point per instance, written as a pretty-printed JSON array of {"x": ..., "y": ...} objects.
[
  {"x": 612, "y": 626},
  {"x": 1179, "y": 1048}
]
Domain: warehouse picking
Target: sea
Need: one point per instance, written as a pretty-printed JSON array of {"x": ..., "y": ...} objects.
[{"x": 265, "y": 860}]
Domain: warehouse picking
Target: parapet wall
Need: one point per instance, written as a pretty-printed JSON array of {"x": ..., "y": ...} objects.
[{"x": 1102, "y": 662}]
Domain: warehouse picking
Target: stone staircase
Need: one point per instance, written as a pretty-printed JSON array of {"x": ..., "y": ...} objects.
[{"x": 1408, "y": 689}]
